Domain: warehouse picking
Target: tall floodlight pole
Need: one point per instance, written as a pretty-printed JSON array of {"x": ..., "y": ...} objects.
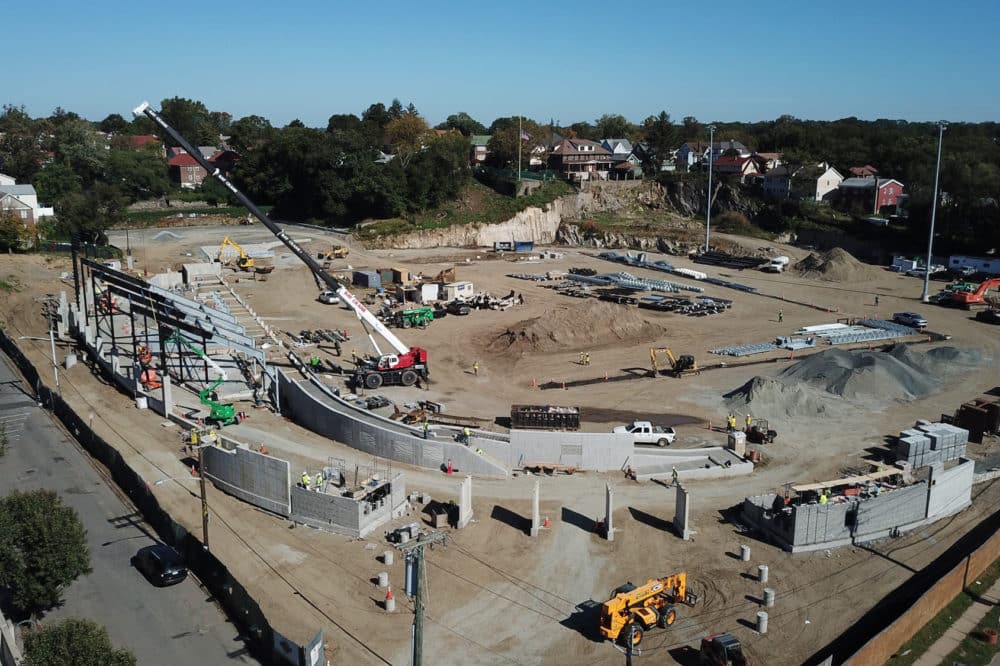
[
  {"x": 711, "y": 155},
  {"x": 930, "y": 240}
]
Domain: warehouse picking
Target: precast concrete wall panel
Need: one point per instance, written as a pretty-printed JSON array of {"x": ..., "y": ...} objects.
[
  {"x": 333, "y": 418},
  {"x": 588, "y": 450},
  {"x": 895, "y": 508},
  {"x": 255, "y": 478},
  {"x": 818, "y": 523},
  {"x": 950, "y": 490}
]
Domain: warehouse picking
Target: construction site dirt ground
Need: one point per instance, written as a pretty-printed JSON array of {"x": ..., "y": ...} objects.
[{"x": 494, "y": 594}]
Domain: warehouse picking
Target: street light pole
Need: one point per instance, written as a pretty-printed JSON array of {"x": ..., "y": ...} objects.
[
  {"x": 711, "y": 154},
  {"x": 930, "y": 241}
]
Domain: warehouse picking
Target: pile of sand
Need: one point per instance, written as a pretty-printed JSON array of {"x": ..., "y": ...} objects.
[
  {"x": 836, "y": 265},
  {"x": 810, "y": 387},
  {"x": 770, "y": 398},
  {"x": 589, "y": 323}
]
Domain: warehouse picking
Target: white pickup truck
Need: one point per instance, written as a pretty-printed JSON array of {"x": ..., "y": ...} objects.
[{"x": 644, "y": 432}]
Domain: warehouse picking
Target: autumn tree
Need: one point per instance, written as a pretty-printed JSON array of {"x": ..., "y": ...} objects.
[{"x": 406, "y": 134}]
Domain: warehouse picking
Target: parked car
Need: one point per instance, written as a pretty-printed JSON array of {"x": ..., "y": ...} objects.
[
  {"x": 458, "y": 308},
  {"x": 911, "y": 319},
  {"x": 160, "y": 564},
  {"x": 988, "y": 316},
  {"x": 328, "y": 297}
]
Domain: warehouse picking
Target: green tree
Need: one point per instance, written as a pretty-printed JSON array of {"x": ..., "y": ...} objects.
[
  {"x": 506, "y": 137},
  {"x": 343, "y": 122},
  {"x": 140, "y": 174},
  {"x": 114, "y": 124},
  {"x": 660, "y": 135},
  {"x": 82, "y": 149},
  {"x": 613, "y": 126},
  {"x": 464, "y": 123},
  {"x": 216, "y": 193},
  {"x": 191, "y": 119},
  {"x": 249, "y": 132},
  {"x": 55, "y": 181},
  {"x": 92, "y": 212},
  {"x": 21, "y": 151},
  {"x": 43, "y": 548},
  {"x": 692, "y": 129},
  {"x": 74, "y": 642}
]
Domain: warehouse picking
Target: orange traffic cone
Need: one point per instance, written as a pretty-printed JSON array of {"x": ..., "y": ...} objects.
[
  {"x": 388, "y": 593},
  {"x": 193, "y": 472},
  {"x": 263, "y": 449},
  {"x": 564, "y": 386},
  {"x": 534, "y": 384},
  {"x": 605, "y": 375},
  {"x": 546, "y": 523}
]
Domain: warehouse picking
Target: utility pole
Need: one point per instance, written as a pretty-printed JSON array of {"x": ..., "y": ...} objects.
[
  {"x": 415, "y": 553},
  {"x": 204, "y": 497}
]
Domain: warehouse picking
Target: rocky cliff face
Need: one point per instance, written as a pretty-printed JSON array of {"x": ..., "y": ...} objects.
[
  {"x": 573, "y": 234},
  {"x": 687, "y": 198}
]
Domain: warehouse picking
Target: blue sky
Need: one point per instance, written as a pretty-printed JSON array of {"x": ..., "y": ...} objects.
[{"x": 719, "y": 61}]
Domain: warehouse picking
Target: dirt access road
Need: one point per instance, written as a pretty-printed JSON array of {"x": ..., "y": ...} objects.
[{"x": 495, "y": 595}]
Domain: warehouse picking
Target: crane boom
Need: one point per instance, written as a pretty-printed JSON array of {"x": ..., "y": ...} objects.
[{"x": 319, "y": 273}]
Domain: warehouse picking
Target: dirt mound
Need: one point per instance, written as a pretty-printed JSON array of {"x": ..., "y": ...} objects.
[
  {"x": 873, "y": 377},
  {"x": 769, "y": 398},
  {"x": 590, "y": 323},
  {"x": 836, "y": 265}
]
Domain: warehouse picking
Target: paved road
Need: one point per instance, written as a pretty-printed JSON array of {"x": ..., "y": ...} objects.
[{"x": 173, "y": 625}]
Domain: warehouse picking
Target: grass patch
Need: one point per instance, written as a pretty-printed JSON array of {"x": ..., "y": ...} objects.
[
  {"x": 974, "y": 650},
  {"x": 478, "y": 204},
  {"x": 933, "y": 630},
  {"x": 10, "y": 284}
]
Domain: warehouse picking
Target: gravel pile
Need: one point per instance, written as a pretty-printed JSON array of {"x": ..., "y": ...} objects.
[{"x": 836, "y": 265}]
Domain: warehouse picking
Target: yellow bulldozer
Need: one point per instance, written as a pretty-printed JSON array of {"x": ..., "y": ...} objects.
[
  {"x": 685, "y": 364},
  {"x": 632, "y": 610}
]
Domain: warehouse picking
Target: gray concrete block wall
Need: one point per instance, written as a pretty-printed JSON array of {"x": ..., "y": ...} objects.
[
  {"x": 818, "y": 523},
  {"x": 891, "y": 509},
  {"x": 950, "y": 489},
  {"x": 333, "y": 418},
  {"x": 586, "y": 450},
  {"x": 253, "y": 477},
  {"x": 326, "y": 511}
]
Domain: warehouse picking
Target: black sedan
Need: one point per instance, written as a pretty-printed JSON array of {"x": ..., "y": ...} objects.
[{"x": 160, "y": 564}]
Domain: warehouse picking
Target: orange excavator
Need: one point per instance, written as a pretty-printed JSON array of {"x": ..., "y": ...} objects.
[
  {"x": 633, "y": 610},
  {"x": 969, "y": 299}
]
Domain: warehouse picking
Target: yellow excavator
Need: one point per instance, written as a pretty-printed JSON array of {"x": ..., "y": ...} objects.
[
  {"x": 685, "y": 364},
  {"x": 244, "y": 261},
  {"x": 632, "y": 610}
]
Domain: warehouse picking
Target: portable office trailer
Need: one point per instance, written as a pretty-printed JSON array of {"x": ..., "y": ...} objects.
[{"x": 458, "y": 290}]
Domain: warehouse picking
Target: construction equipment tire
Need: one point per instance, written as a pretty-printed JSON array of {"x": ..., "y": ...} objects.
[
  {"x": 373, "y": 381},
  {"x": 408, "y": 378},
  {"x": 668, "y": 617},
  {"x": 407, "y": 323}
]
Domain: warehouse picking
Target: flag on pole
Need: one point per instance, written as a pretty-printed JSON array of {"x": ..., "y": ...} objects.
[{"x": 525, "y": 136}]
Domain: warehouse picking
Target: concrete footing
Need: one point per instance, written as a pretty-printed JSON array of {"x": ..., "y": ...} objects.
[
  {"x": 761, "y": 622},
  {"x": 762, "y": 573},
  {"x": 768, "y": 597},
  {"x": 744, "y": 553},
  {"x": 464, "y": 503}
]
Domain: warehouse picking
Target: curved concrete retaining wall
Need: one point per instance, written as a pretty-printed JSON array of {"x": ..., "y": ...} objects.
[
  {"x": 253, "y": 477},
  {"x": 331, "y": 417}
]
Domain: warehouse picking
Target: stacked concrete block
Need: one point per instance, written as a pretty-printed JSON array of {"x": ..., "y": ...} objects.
[{"x": 929, "y": 443}]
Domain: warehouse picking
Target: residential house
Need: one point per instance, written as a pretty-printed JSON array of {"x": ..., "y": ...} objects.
[
  {"x": 740, "y": 167},
  {"x": 580, "y": 159},
  {"x": 479, "y": 151},
  {"x": 22, "y": 201},
  {"x": 720, "y": 148},
  {"x": 689, "y": 154},
  {"x": 7, "y": 180},
  {"x": 626, "y": 161},
  {"x": 812, "y": 183},
  {"x": 869, "y": 195},
  {"x": 866, "y": 171}
]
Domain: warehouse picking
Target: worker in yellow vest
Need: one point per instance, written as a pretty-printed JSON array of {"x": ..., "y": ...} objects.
[{"x": 306, "y": 481}]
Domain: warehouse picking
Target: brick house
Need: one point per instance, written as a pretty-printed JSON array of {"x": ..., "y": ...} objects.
[
  {"x": 869, "y": 195},
  {"x": 580, "y": 159},
  {"x": 185, "y": 171}
]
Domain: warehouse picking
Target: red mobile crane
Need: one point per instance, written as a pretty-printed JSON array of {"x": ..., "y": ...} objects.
[{"x": 405, "y": 367}]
